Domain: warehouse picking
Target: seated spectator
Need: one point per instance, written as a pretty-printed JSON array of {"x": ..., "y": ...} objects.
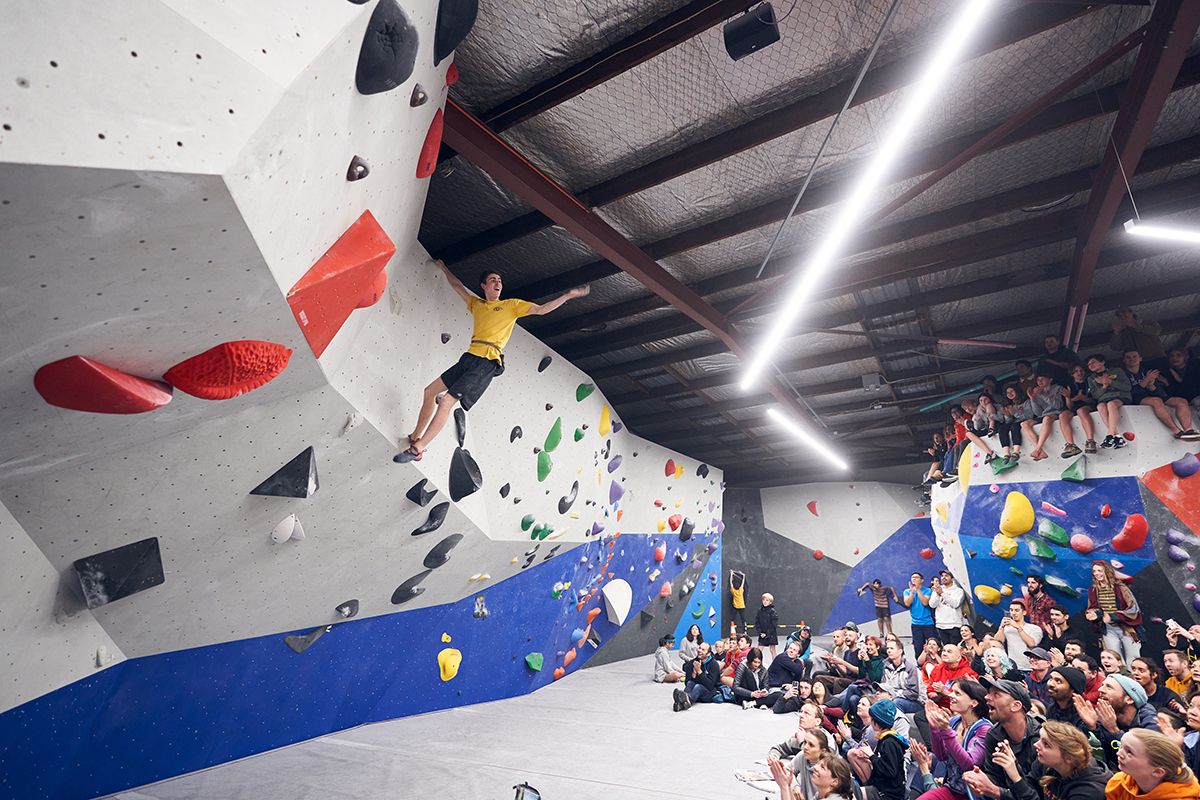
[
  {"x": 666, "y": 669},
  {"x": 1180, "y": 675},
  {"x": 979, "y": 425},
  {"x": 1063, "y": 767},
  {"x": 802, "y": 636},
  {"x": 792, "y": 760},
  {"x": 883, "y": 768},
  {"x": 1026, "y": 377},
  {"x": 1152, "y": 768},
  {"x": 691, "y": 643},
  {"x": 998, "y": 666},
  {"x": 971, "y": 646},
  {"x": 750, "y": 682},
  {"x": 808, "y": 722},
  {"x": 1013, "y": 411},
  {"x": 1046, "y": 403},
  {"x": 1080, "y": 405},
  {"x": 703, "y": 680},
  {"x": 843, "y": 670},
  {"x": 955, "y": 446},
  {"x": 957, "y": 739},
  {"x": 1018, "y": 634},
  {"x": 1188, "y": 639},
  {"x": 735, "y": 653},
  {"x": 1147, "y": 673},
  {"x": 870, "y": 671},
  {"x": 790, "y": 698},
  {"x": 1187, "y": 738},
  {"x": 1183, "y": 377},
  {"x": 938, "y": 451},
  {"x": 1039, "y": 672},
  {"x": 1056, "y": 633},
  {"x": 1111, "y": 663},
  {"x": 1013, "y": 729},
  {"x": 1064, "y": 689},
  {"x": 1092, "y": 674},
  {"x": 1110, "y": 389},
  {"x": 900, "y": 678},
  {"x": 831, "y": 777},
  {"x": 819, "y": 694},
  {"x": 929, "y": 657},
  {"x": 1148, "y": 387},
  {"x": 1074, "y": 647},
  {"x": 787, "y": 668},
  {"x": 1056, "y": 360},
  {"x": 1130, "y": 333},
  {"x": 1122, "y": 707},
  {"x": 951, "y": 669}
]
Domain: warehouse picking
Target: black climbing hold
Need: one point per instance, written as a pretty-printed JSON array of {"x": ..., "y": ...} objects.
[
  {"x": 565, "y": 503},
  {"x": 551, "y": 552},
  {"x": 504, "y": 490},
  {"x": 545, "y": 362},
  {"x": 359, "y": 169},
  {"x": 120, "y": 572},
  {"x": 593, "y": 638},
  {"x": 418, "y": 98},
  {"x": 445, "y": 338},
  {"x": 516, "y": 500},
  {"x": 686, "y": 529},
  {"x": 549, "y": 406},
  {"x": 437, "y": 515},
  {"x": 388, "y": 52},
  {"x": 536, "y": 450},
  {"x": 465, "y": 477},
  {"x": 421, "y": 493},
  {"x": 455, "y": 18},
  {"x": 347, "y": 609},
  {"x": 359, "y": 2},
  {"x": 440, "y": 553},
  {"x": 670, "y": 605},
  {"x": 460, "y": 425},
  {"x": 297, "y": 478},
  {"x": 645, "y": 617},
  {"x": 299, "y": 642},
  {"x": 702, "y": 470},
  {"x": 410, "y": 588},
  {"x": 635, "y": 453},
  {"x": 515, "y": 434}
]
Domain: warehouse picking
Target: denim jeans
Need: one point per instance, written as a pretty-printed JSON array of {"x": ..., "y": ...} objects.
[{"x": 1121, "y": 642}]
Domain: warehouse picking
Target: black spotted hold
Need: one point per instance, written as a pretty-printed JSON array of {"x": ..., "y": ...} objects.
[
  {"x": 389, "y": 50},
  {"x": 515, "y": 434},
  {"x": 421, "y": 492},
  {"x": 358, "y": 169},
  {"x": 418, "y": 97},
  {"x": 445, "y": 338},
  {"x": 465, "y": 475},
  {"x": 504, "y": 490}
]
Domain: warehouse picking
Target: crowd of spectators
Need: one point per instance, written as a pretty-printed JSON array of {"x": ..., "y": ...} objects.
[
  {"x": 1042, "y": 706},
  {"x": 1059, "y": 387}
]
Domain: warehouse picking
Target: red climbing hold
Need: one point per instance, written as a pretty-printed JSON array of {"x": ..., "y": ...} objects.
[
  {"x": 927, "y": 553},
  {"x": 660, "y": 552},
  {"x": 1129, "y": 437},
  {"x": 333, "y": 287},
  {"x": 81, "y": 384},
  {"x": 811, "y": 505},
  {"x": 675, "y": 520},
  {"x": 452, "y": 75},
  {"x": 1106, "y": 510},
  {"x": 1132, "y": 535},
  {"x": 818, "y": 554},
  {"x": 669, "y": 469},
  {"x": 427, "y": 161},
  {"x": 658, "y": 503},
  {"x": 372, "y": 295},
  {"x": 229, "y": 369}
]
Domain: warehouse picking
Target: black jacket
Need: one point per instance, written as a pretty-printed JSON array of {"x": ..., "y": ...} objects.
[
  {"x": 887, "y": 768},
  {"x": 1023, "y": 750},
  {"x": 710, "y": 673},
  {"x": 747, "y": 681},
  {"x": 766, "y": 622},
  {"x": 784, "y": 670},
  {"x": 1088, "y": 784}
]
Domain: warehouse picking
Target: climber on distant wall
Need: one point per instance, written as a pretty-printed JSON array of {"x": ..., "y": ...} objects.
[{"x": 466, "y": 381}]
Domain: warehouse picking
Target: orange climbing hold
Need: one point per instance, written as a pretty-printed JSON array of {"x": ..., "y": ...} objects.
[
  {"x": 427, "y": 161},
  {"x": 230, "y": 369},
  {"x": 591, "y": 615},
  {"x": 569, "y": 657},
  {"x": 323, "y": 299},
  {"x": 559, "y": 672},
  {"x": 81, "y": 384}
]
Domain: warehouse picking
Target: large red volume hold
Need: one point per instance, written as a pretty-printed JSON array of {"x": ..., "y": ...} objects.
[
  {"x": 323, "y": 299},
  {"x": 375, "y": 292},
  {"x": 427, "y": 162},
  {"x": 81, "y": 384},
  {"x": 229, "y": 369}
]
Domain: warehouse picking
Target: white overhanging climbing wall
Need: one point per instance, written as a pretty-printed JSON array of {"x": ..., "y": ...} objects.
[{"x": 168, "y": 171}]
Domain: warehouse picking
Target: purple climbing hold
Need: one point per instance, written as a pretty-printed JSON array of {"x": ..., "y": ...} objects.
[
  {"x": 1175, "y": 537},
  {"x": 712, "y": 548},
  {"x": 1196, "y": 601},
  {"x": 597, "y": 529},
  {"x": 1177, "y": 554},
  {"x": 617, "y": 427},
  {"x": 615, "y": 492},
  {"x": 1187, "y": 466},
  {"x": 614, "y": 464},
  {"x": 720, "y": 526}
]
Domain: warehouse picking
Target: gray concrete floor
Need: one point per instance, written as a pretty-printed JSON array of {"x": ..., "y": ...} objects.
[{"x": 603, "y": 733}]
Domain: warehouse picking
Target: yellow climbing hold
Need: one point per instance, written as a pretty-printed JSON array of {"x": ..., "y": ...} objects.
[
  {"x": 448, "y": 663},
  {"x": 1004, "y": 546},
  {"x": 987, "y": 595},
  {"x": 446, "y": 638},
  {"x": 943, "y": 512},
  {"x": 662, "y": 525},
  {"x": 605, "y": 421},
  {"x": 1006, "y": 590},
  {"x": 1017, "y": 517},
  {"x": 964, "y": 469},
  {"x": 678, "y": 503}
]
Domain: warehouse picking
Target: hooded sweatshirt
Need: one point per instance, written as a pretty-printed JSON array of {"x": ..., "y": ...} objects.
[
  {"x": 1123, "y": 787},
  {"x": 945, "y": 674},
  {"x": 664, "y": 663},
  {"x": 1087, "y": 784}
]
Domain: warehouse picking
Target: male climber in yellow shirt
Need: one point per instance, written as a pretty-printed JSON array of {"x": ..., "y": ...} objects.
[{"x": 466, "y": 381}]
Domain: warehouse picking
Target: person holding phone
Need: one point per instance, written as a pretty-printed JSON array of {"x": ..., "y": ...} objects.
[{"x": 1019, "y": 635}]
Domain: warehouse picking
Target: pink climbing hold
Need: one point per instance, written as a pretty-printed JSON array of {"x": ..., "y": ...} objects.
[
  {"x": 1132, "y": 535},
  {"x": 994, "y": 488},
  {"x": 1082, "y": 543},
  {"x": 658, "y": 503},
  {"x": 1106, "y": 511},
  {"x": 669, "y": 469},
  {"x": 927, "y": 553},
  {"x": 81, "y": 384},
  {"x": 856, "y": 551},
  {"x": 811, "y": 505},
  {"x": 665, "y": 589},
  {"x": 1055, "y": 510},
  {"x": 1186, "y": 467},
  {"x": 660, "y": 552},
  {"x": 818, "y": 554}
]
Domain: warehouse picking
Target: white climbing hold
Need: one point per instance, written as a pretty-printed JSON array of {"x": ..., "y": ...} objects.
[
  {"x": 653, "y": 576},
  {"x": 298, "y": 532},
  {"x": 618, "y": 598},
  {"x": 352, "y": 422},
  {"x": 288, "y": 528}
]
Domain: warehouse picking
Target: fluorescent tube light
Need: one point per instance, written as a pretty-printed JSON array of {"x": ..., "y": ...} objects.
[
  {"x": 1151, "y": 231},
  {"x": 853, "y": 208},
  {"x": 791, "y": 427}
]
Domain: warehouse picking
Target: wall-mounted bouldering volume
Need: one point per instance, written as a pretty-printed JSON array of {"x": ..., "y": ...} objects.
[
  {"x": 421, "y": 492},
  {"x": 375, "y": 292},
  {"x": 455, "y": 18},
  {"x": 82, "y": 384},
  {"x": 437, "y": 515},
  {"x": 302, "y": 641},
  {"x": 465, "y": 477},
  {"x": 388, "y": 52},
  {"x": 358, "y": 169},
  {"x": 230, "y": 369},
  {"x": 113, "y": 574},
  {"x": 410, "y": 588},
  {"x": 297, "y": 478},
  {"x": 440, "y": 553}
]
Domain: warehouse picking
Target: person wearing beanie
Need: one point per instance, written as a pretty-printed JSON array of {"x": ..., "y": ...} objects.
[
  {"x": 1122, "y": 707},
  {"x": 1063, "y": 685},
  {"x": 883, "y": 769}
]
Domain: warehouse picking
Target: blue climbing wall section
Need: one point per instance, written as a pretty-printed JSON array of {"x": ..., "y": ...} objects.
[
  {"x": 704, "y": 598},
  {"x": 1081, "y": 505},
  {"x": 155, "y": 717},
  {"x": 893, "y": 561}
]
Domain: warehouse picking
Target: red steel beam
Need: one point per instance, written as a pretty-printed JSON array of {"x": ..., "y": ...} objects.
[{"x": 1173, "y": 25}]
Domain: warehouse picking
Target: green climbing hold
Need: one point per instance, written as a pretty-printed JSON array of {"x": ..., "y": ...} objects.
[
  {"x": 553, "y": 437},
  {"x": 1076, "y": 471},
  {"x": 583, "y": 391},
  {"x": 1039, "y": 549},
  {"x": 578, "y": 434},
  {"x": 546, "y": 531},
  {"x": 1015, "y": 571},
  {"x": 544, "y": 465},
  {"x": 1055, "y": 582},
  {"x": 526, "y": 522},
  {"x": 1002, "y": 465},
  {"x": 1053, "y": 532},
  {"x": 534, "y": 661}
]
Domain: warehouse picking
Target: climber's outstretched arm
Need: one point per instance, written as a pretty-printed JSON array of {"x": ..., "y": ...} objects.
[{"x": 546, "y": 308}]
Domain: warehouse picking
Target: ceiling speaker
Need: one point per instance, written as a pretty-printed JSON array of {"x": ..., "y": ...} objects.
[{"x": 751, "y": 32}]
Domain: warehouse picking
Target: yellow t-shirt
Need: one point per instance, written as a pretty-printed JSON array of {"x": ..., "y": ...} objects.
[
  {"x": 739, "y": 597},
  {"x": 494, "y": 325}
]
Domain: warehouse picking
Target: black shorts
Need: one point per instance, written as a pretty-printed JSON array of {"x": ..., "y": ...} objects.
[
  {"x": 469, "y": 378},
  {"x": 883, "y": 614}
]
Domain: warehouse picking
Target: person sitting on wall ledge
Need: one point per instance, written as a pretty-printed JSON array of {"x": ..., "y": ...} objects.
[
  {"x": 1110, "y": 389},
  {"x": 1046, "y": 403},
  {"x": 666, "y": 670},
  {"x": 1183, "y": 377},
  {"x": 1148, "y": 387},
  {"x": 466, "y": 381}
]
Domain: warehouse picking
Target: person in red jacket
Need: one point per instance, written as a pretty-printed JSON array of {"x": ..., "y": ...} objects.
[
  {"x": 1092, "y": 672},
  {"x": 951, "y": 668}
]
